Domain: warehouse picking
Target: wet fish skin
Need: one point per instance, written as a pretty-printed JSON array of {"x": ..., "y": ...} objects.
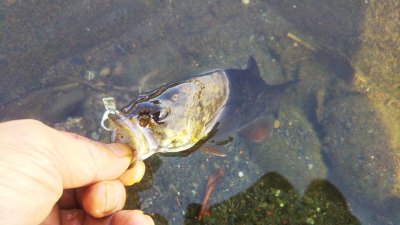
[{"x": 211, "y": 106}]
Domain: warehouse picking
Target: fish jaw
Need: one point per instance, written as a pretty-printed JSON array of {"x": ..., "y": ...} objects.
[{"x": 128, "y": 131}]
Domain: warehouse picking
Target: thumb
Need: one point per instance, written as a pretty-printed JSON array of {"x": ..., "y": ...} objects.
[
  {"x": 37, "y": 162},
  {"x": 82, "y": 161},
  {"x": 50, "y": 155}
]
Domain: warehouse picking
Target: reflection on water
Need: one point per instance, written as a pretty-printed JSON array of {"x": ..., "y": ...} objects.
[{"x": 337, "y": 136}]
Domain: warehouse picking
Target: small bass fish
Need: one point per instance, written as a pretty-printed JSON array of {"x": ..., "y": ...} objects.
[{"x": 211, "y": 106}]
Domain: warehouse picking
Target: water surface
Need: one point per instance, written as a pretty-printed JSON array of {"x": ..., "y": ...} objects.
[{"x": 331, "y": 160}]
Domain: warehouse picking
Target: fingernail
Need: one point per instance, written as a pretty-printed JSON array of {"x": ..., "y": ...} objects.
[{"x": 120, "y": 150}]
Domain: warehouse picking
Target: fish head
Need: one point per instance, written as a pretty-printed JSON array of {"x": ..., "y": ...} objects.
[
  {"x": 170, "y": 119},
  {"x": 141, "y": 127}
]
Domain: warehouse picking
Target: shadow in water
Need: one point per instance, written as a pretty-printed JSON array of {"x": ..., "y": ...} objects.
[
  {"x": 270, "y": 200},
  {"x": 273, "y": 200}
]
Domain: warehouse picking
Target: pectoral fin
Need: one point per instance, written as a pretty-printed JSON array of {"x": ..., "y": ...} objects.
[
  {"x": 257, "y": 130},
  {"x": 212, "y": 149}
]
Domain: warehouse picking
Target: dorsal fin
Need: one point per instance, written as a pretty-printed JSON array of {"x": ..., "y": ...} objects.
[
  {"x": 252, "y": 66},
  {"x": 246, "y": 78},
  {"x": 253, "y": 72}
]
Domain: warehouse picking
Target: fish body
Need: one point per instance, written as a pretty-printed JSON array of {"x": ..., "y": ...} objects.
[{"x": 208, "y": 107}]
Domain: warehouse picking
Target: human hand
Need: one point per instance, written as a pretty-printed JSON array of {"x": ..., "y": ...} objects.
[{"x": 48, "y": 176}]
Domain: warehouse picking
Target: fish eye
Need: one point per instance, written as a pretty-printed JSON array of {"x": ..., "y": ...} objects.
[
  {"x": 160, "y": 115},
  {"x": 144, "y": 117},
  {"x": 152, "y": 116}
]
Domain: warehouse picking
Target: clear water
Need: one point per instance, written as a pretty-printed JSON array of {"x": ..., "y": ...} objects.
[{"x": 330, "y": 160}]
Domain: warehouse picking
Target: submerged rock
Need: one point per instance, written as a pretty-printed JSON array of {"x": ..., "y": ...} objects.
[
  {"x": 292, "y": 150},
  {"x": 378, "y": 72},
  {"x": 360, "y": 159}
]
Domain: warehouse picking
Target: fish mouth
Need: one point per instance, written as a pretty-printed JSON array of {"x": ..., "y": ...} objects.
[{"x": 139, "y": 138}]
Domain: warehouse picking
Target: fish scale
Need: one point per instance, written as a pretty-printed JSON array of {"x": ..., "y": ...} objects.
[{"x": 209, "y": 107}]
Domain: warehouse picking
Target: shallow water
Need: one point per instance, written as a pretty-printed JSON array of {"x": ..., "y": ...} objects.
[{"x": 331, "y": 160}]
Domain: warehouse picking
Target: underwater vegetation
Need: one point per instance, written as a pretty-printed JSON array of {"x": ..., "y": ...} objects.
[{"x": 272, "y": 200}]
